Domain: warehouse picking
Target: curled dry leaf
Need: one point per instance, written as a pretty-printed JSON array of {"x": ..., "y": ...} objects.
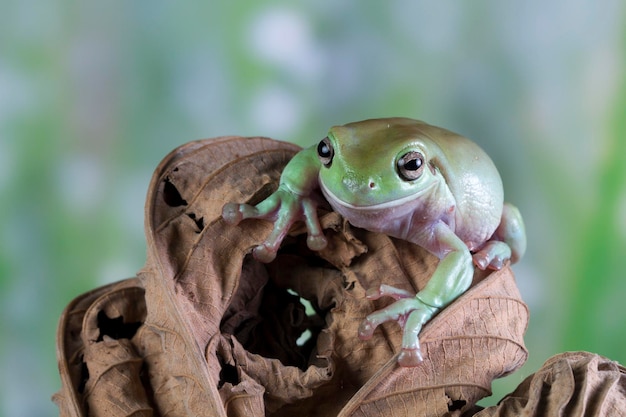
[
  {"x": 207, "y": 330},
  {"x": 571, "y": 384},
  {"x": 89, "y": 357}
]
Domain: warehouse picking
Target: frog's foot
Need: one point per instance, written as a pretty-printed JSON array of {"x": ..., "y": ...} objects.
[
  {"x": 511, "y": 233},
  {"x": 409, "y": 311},
  {"x": 234, "y": 213},
  {"x": 492, "y": 255},
  {"x": 283, "y": 208}
]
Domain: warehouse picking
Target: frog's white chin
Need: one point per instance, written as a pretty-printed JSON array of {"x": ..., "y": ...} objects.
[
  {"x": 334, "y": 200},
  {"x": 392, "y": 217}
]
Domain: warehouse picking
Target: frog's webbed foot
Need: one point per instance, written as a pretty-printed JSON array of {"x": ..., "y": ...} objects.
[
  {"x": 283, "y": 208},
  {"x": 508, "y": 241},
  {"x": 409, "y": 311}
]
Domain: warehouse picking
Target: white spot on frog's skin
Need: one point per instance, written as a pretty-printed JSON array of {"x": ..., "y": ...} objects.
[{"x": 351, "y": 183}]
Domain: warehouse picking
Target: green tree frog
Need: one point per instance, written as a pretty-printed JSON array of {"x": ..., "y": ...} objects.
[{"x": 409, "y": 180}]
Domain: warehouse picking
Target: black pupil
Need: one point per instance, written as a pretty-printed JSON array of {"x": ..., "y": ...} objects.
[
  {"x": 323, "y": 150},
  {"x": 413, "y": 164}
]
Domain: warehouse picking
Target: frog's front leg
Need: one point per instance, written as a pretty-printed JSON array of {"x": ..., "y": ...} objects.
[
  {"x": 452, "y": 277},
  {"x": 291, "y": 202}
]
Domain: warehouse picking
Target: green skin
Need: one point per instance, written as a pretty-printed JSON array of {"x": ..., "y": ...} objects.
[{"x": 409, "y": 180}]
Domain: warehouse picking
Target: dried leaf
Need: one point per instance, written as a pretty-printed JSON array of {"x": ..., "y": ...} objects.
[
  {"x": 193, "y": 265},
  {"x": 220, "y": 335},
  {"x": 470, "y": 343},
  {"x": 572, "y": 384},
  {"x": 99, "y": 367}
]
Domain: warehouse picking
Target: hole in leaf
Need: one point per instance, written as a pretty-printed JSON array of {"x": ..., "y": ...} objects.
[
  {"x": 115, "y": 328},
  {"x": 199, "y": 222},
  {"x": 456, "y": 405},
  {"x": 84, "y": 375},
  {"x": 285, "y": 327},
  {"x": 171, "y": 196},
  {"x": 228, "y": 373}
]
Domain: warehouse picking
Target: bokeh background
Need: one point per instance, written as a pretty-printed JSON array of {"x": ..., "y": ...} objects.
[{"x": 94, "y": 94}]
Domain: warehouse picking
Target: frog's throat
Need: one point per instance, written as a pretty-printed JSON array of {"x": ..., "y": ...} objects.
[{"x": 387, "y": 204}]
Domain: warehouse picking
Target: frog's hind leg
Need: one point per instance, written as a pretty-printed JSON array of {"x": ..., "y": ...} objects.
[{"x": 507, "y": 243}]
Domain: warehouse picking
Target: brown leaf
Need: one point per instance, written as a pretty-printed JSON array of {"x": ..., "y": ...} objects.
[
  {"x": 221, "y": 332},
  {"x": 470, "y": 343},
  {"x": 99, "y": 367},
  {"x": 114, "y": 386},
  {"x": 572, "y": 384},
  {"x": 193, "y": 265}
]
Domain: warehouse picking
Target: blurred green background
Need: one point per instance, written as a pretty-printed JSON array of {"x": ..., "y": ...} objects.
[{"x": 94, "y": 94}]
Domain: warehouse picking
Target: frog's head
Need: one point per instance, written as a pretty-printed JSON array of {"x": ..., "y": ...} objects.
[{"x": 377, "y": 163}]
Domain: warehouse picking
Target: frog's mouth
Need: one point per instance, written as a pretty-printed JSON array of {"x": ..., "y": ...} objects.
[{"x": 333, "y": 199}]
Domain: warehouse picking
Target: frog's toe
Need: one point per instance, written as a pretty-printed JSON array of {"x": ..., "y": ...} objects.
[
  {"x": 410, "y": 357},
  {"x": 496, "y": 263},
  {"x": 397, "y": 311},
  {"x": 366, "y": 330},
  {"x": 264, "y": 253},
  {"x": 316, "y": 242},
  {"x": 493, "y": 255},
  {"x": 481, "y": 261},
  {"x": 382, "y": 290},
  {"x": 231, "y": 212}
]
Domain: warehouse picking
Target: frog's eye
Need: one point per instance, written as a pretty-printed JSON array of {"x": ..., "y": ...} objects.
[
  {"x": 325, "y": 152},
  {"x": 410, "y": 165}
]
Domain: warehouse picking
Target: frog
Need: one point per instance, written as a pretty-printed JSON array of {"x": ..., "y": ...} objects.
[{"x": 411, "y": 181}]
